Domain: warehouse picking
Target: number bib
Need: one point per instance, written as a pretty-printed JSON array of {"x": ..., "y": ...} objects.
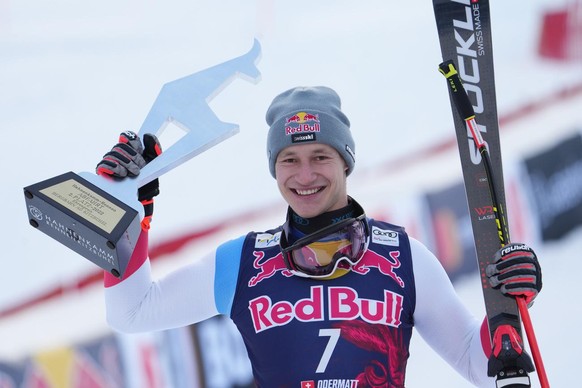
[{"x": 351, "y": 331}]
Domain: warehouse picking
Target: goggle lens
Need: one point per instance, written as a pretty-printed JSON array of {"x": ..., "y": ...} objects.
[{"x": 319, "y": 254}]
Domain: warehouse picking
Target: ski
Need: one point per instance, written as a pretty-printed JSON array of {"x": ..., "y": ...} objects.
[{"x": 464, "y": 30}]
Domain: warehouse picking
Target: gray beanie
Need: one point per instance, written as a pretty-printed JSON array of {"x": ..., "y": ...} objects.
[{"x": 305, "y": 115}]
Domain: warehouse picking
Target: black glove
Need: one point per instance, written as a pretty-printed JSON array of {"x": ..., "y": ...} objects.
[
  {"x": 126, "y": 158},
  {"x": 516, "y": 271}
]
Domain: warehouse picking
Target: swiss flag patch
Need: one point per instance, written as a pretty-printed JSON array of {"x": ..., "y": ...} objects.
[{"x": 308, "y": 384}]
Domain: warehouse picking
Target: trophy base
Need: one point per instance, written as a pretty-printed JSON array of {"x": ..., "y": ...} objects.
[{"x": 85, "y": 218}]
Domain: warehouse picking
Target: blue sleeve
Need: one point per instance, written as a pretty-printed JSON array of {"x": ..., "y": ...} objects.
[{"x": 228, "y": 257}]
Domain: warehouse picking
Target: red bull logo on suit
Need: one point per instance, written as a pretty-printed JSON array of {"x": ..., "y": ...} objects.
[
  {"x": 339, "y": 303},
  {"x": 385, "y": 265},
  {"x": 268, "y": 267}
]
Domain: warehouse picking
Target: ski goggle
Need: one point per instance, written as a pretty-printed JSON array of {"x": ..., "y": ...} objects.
[{"x": 319, "y": 254}]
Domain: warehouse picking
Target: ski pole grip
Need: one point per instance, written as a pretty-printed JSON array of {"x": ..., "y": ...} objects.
[{"x": 460, "y": 98}]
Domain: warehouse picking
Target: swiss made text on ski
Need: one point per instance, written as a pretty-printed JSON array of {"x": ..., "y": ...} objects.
[{"x": 465, "y": 37}]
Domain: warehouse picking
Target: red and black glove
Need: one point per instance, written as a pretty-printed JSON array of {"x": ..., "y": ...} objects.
[
  {"x": 127, "y": 158},
  {"x": 516, "y": 272}
]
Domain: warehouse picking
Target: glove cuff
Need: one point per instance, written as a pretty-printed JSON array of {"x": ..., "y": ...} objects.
[{"x": 148, "y": 207}]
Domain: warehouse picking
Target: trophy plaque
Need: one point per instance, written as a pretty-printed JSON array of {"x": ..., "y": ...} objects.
[{"x": 99, "y": 217}]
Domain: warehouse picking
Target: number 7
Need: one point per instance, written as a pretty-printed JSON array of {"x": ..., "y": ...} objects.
[{"x": 333, "y": 335}]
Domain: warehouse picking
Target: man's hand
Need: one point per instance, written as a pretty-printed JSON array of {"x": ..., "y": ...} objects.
[
  {"x": 124, "y": 159},
  {"x": 516, "y": 272},
  {"x": 127, "y": 158}
]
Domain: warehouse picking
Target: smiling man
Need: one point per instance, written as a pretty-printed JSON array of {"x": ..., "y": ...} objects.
[
  {"x": 312, "y": 179},
  {"x": 329, "y": 298}
]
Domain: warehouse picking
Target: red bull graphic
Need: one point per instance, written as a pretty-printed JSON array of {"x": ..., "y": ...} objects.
[
  {"x": 268, "y": 267},
  {"x": 302, "y": 117},
  {"x": 386, "y": 266},
  {"x": 293, "y": 119},
  {"x": 302, "y": 122},
  {"x": 386, "y": 340},
  {"x": 340, "y": 303},
  {"x": 310, "y": 117}
]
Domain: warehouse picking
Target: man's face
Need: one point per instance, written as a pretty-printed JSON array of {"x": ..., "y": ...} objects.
[{"x": 312, "y": 179}]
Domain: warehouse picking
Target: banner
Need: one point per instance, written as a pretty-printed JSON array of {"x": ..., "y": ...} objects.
[
  {"x": 222, "y": 354},
  {"x": 155, "y": 360},
  {"x": 561, "y": 33},
  {"x": 555, "y": 178},
  {"x": 451, "y": 227}
]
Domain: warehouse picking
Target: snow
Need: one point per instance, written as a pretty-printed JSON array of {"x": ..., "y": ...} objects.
[{"x": 75, "y": 74}]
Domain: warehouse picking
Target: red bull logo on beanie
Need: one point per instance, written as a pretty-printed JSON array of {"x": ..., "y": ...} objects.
[
  {"x": 302, "y": 117},
  {"x": 302, "y": 122}
]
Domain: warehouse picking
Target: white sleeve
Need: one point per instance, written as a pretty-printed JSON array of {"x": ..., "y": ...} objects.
[
  {"x": 183, "y": 297},
  {"x": 443, "y": 321}
]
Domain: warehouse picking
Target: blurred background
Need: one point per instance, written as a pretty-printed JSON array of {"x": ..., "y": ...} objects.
[{"x": 75, "y": 74}]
